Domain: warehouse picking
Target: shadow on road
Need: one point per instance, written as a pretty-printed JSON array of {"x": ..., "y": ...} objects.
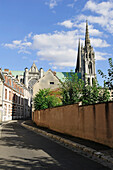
[{"x": 27, "y": 150}]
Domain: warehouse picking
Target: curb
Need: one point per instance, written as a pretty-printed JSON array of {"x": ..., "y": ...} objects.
[{"x": 70, "y": 144}]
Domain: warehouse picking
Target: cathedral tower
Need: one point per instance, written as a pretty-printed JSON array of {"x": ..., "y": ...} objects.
[{"x": 86, "y": 60}]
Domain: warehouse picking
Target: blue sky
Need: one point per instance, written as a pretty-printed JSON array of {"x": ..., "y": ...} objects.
[{"x": 47, "y": 32}]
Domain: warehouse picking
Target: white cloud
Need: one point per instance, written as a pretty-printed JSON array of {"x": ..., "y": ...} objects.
[
  {"x": 52, "y": 3},
  {"x": 59, "y": 48},
  {"x": 101, "y": 20},
  {"x": 17, "y": 42},
  {"x": 24, "y": 51},
  {"x": 26, "y": 44},
  {"x": 103, "y": 14},
  {"x": 96, "y": 42},
  {"x": 101, "y": 55},
  {"x": 102, "y": 8},
  {"x": 28, "y": 36},
  {"x": 56, "y": 40},
  {"x": 82, "y": 26},
  {"x": 21, "y": 45},
  {"x": 67, "y": 23},
  {"x": 12, "y": 46}
]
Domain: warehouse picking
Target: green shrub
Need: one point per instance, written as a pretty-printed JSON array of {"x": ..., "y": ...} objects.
[{"x": 43, "y": 100}]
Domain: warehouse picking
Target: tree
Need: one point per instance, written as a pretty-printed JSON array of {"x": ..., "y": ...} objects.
[
  {"x": 74, "y": 90},
  {"x": 71, "y": 89},
  {"x": 104, "y": 95},
  {"x": 94, "y": 94},
  {"x": 43, "y": 100},
  {"x": 108, "y": 79}
]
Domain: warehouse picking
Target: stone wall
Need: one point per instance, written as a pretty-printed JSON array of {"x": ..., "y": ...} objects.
[{"x": 92, "y": 122}]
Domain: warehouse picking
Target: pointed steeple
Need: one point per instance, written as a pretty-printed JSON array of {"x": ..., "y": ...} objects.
[
  {"x": 78, "y": 65},
  {"x": 87, "y": 40}
]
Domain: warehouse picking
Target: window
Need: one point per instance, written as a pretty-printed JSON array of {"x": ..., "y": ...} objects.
[
  {"x": 92, "y": 81},
  {"x": 5, "y": 94},
  {"x": 13, "y": 97},
  {"x": 51, "y": 82},
  {"x": 86, "y": 55},
  {"x": 21, "y": 101},
  {"x": 90, "y": 55},
  {"x": 10, "y": 96},
  {"x": 90, "y": 68},
  {"x": 5, "y": 110},
  {"x": 88, "y": 81},
  {"x": 17, "y": 101},
  {"x": 9, "y": 110}
]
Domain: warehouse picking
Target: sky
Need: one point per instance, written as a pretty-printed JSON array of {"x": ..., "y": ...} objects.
[{"x": 47, "y": 32}]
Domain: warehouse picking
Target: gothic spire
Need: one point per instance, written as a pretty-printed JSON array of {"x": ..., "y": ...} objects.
[
  {"x": 78, "y": 65},
  {"x": 87, "y": 40}
]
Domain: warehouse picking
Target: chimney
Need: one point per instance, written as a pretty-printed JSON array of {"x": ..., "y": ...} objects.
[
  {"x": 6, "y": 70},
  {"x": 10, "y": 73}
]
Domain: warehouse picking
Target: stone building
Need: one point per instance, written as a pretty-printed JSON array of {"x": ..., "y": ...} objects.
[
  {"x": 15, "y": 98},
  {"x": 86, "y": 60},
  {"x": 29, "y": 77},
  {"x": 49, "y": 80}
]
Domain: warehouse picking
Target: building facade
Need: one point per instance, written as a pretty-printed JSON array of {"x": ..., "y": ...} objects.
[
  {"x": 86, "y": 60},
  {"x": 15, "y": 98},
  {"x": 31, "y": 76},
  {"x": 49, "y": 80}
]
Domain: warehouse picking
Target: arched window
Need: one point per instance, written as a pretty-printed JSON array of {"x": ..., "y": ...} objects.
[
  {"x": 93, "y": 81},
  {"x": 33, "y": 69},
  {"x": 88, "y": 81},
  {"x": 89, "y": 55},
  {"x": 90, "y": 68}
]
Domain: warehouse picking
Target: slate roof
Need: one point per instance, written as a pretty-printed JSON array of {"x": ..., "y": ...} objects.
[
  {"x": 63, "y": 75},
  {"x": 14, "y": 73},
  {"x": 60, "y": 75}
]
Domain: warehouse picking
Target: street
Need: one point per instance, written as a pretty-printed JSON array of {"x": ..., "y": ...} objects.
[{"x": 24, "y": 149}]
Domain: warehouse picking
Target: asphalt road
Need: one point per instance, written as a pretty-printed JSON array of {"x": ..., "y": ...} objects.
[{"x": 24, "y": 149}]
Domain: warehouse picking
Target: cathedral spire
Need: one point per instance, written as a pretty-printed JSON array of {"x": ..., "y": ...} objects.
[
  {"x": 87, "y": 40},
  {"x": 78, "y": 65}
]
